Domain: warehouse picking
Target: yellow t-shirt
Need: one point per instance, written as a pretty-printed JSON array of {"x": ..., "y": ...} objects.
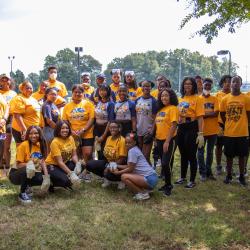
[
  {"x": 164, "y": 119},
  {"x": 3, "y": 107},
  {"x": 115, "y": 88},
  {"x": 61, "y": 147},
  {"x": 220, "y": 95},
  {"x": 191, "y": 106},
  {"x": 8, "y": 95},
  {"x": 134, "y": 93},
  {"x": 24, "y": 154},
  {"x": 236, "y": 108},
  {"x": 155, "y": 93},
  {"x": 88, "y": 91},
  {"x": 40, "y": 98},
  {"x": 78, "y": 116},
  {"x": 115, "y": 148},
  {"x": 62, "y": 91},
  {"x": 211, "y": 126},
  {"x": 28, "y": 107}
]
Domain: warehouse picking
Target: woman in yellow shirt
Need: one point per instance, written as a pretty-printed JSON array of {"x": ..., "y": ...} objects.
[
  {"x": 26, "y": 112},
  {"x": 62, "y": 161},
  {"x": 166, "y": 127},
  {"x": 30, "y": 169},
  {"x": 86, "y": 81},
  {"x": 190, "y": 129},
  {"x": 8, "y": 95},
  {"x": 133, "y": 90},
  {"x": 80, "y": 114},
  {"x": 114, "y": 152}
]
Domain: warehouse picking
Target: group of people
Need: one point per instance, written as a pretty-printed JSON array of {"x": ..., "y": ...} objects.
[{"x": 111, "y": 131}]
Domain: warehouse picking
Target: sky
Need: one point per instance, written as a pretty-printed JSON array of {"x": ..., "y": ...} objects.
[{"x": 31, "y": 30}]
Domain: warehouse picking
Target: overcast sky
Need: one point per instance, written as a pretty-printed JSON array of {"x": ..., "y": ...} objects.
[{"x": 33, "y": 29}]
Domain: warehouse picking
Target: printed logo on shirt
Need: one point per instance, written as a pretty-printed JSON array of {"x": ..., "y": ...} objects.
[
  {"x": 234, "y": 111},
  {"x": 77, "y": 114},
  {"x": 209, "y": 105},
  {"x": 144, "y": 108},
  {"x": 183, "y": 107}
]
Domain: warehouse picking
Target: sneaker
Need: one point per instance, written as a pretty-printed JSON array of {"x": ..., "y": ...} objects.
[
  {"x": 141, "y": 196},
  {"x": 29, "y": 191},
  {"x": 242, "y": 181},
  {"x": 203, "y": 178},
  {"x": 168, "y": 190},
  {"x": 191, "y": 184},
  {"x": 228, "y": 179},
  {"x": 180, "y": 181},
  {"x": 24, "y": 198},
  {"x": 219, "y": 170},
  {"x": 106, "y": 183},
  {"x": 121, "y": 185}
]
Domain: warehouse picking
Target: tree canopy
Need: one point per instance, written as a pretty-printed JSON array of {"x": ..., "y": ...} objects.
[{"x": 223, "y": 14}]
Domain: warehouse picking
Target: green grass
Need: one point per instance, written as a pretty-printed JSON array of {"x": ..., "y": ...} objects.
[{"x": 211, "y": 216}]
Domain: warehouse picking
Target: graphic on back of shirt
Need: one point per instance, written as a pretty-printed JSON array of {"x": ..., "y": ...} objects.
[
  {"x": 144, "y": 108},
  {"x": 101, "y": 113},
  {"x": 122, "y": 111},
  {"x": 234, "y": 111}
]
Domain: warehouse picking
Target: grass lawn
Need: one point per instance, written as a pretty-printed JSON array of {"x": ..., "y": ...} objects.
[{"x": 211, "y": 216}]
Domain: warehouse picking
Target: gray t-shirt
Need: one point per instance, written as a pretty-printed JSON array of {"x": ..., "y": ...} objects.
[
  {"x": 145, "y": 108},
  {"x": 142, "y": 166}
]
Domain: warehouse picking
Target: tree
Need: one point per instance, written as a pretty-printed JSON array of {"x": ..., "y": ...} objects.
[
  {"x": 18, "y": 76},
  {"x": 223, "y": 13},
  {"x": 34, "y": 78},
  {"x": 150, "y": 64},
  {"x": 66, "y": 62}
]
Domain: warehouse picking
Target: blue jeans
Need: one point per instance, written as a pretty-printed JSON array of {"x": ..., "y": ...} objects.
[{"x": 205, "y": 168}]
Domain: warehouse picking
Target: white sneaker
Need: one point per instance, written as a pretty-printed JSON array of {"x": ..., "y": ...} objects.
[
  {"x": 106, "y": 183},
  {"x": 141, "y": 196},
  {"x": 121, "y": 185}
]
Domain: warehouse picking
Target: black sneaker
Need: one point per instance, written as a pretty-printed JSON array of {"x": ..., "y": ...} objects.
[
  {"x": 191, "y": 184},
  {"x": 228, "y": 179},
  {"x": 180, "y": 181},
  {"x": 242, "y": 181},
  {"x": 24, "y": 198},
  {"x": 168, "y": 190}
]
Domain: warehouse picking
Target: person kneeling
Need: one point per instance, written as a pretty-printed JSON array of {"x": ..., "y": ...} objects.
[
  {"x": 115, "y": 153},
  {"x": 30, "y": 169},
  {"x": 62, "y": 161},
  {"x": 138, "y": 175}
]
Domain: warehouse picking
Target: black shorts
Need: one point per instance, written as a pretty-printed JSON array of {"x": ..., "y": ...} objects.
[
  {"x": 235, "y": 146},
  {"x": 17, "y": 136},
  {"x": 220, "y": 141},
  {"x": 87, "y": 142},
  {"x": 9, "y": 125}
]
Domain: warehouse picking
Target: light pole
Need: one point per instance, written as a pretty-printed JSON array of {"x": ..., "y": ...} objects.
[
  {"x": 225, "y": 52},
  {"x": 179, "y": 86},
  {"x": 11, "y": 58},
  {"x": 78, "y": 50}
]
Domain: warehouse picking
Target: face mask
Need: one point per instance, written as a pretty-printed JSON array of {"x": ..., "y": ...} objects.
[
  {"x": 206, "y": 92},
  {"x": 53, "y": 76}
]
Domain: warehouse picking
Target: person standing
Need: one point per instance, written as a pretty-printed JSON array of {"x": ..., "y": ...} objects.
[
  {"x": 235, "y": 114},
  {"x": 211, "y": 129}
]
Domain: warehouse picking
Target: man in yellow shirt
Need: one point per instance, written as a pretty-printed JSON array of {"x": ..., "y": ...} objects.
[
  {"x": 235, "y": 114},
  {"x": 53, "y": 83},
  {"x": 210, "y": 130}
]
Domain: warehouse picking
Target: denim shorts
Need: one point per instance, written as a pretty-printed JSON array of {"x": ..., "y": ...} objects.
[{"x": 151, "y": 180}]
